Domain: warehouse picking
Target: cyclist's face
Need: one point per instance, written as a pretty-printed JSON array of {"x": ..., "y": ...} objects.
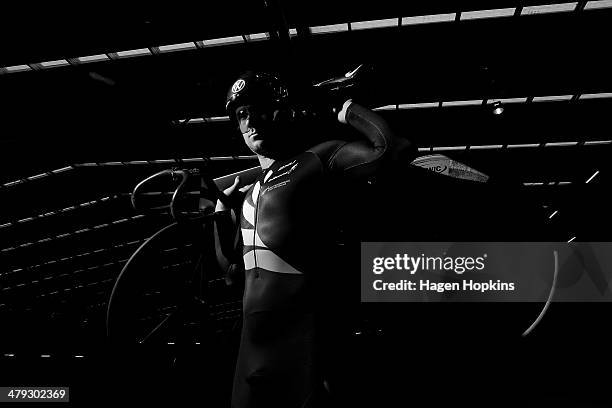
[{"x": 258, "y": 128}]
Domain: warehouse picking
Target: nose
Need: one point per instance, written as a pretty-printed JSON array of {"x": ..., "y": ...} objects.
[
  {"x": 255, "y": 119},
  {"x": 250, "y": 119}
]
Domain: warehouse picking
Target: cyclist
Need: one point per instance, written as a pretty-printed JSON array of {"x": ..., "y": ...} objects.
[{"x": 286, "y": 246}]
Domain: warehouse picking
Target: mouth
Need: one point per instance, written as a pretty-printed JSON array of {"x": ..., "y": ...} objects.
[{"x": 253, "y": 135}]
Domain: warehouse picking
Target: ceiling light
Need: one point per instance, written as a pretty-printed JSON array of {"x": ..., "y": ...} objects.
[
  {"x": 462, "y": 103},
  {"x": 93, "y": 58},
  {"x": 600, "y": 95},
  {"x": 553, "y": 144},
  {"x": 194, "y": 120},
  {"x": 513, "y": 100},
  {"x": 364, "y": 25},
  {"x": 257, "y": 36},
  {"x": 497, "y": 107},
  {"x": 418, "y": 105},
  {"x": 218, "y": 119},
  {"x": 446, "y": 148},
  {"x": 177, "y": 47},
  {"x": 548, "y": 8},
  {"x": 484, "y": 147},
  {"x": 386, "y": 107},
  {"x": 237, "y": 39},
  {"x": 597, "y": 142},
  {"x": 133, "y": 53},
  {"x": 17, "y": 68},
  {"x": 552, "y": 98},
  {"x": 56, "y": 63},
  {"x": 433, "y": 18},
  {"x": 593, "y": 176},
  {"x": 513, "y": 146},
  {"x": 477, "y": 14},
  {"x": 332, "y": 28},
  {"x": 598, "y": 4}
]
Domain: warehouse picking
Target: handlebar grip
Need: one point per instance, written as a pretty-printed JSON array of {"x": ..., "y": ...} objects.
[
  {"x": 135, "y": 192},
  {"x": 348, "y": 80},
  {"x": 332, "y": 93}
]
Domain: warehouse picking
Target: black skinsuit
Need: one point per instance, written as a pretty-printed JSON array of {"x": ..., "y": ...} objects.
[{"x": 287, "y": 226}]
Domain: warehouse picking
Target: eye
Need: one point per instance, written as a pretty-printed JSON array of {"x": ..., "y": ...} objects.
[{"x": 242, "y": 114}]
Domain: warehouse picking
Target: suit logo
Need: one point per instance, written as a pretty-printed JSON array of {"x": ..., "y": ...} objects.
[{"x": 293, "y": 165}]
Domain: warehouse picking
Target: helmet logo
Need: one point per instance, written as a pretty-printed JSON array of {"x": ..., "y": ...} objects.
[{"x": 238, "y": 86}]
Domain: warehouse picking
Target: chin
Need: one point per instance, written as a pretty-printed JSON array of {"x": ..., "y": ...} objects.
[
  {"x": 257, "y": 146},
  {"x": 258, "y": 149}
]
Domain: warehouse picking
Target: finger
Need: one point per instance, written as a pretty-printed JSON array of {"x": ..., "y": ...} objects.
[
  {"x": 245, "y": 188},
  {"x": 231, "y": 188}
]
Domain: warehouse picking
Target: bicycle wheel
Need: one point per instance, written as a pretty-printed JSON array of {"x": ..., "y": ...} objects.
[{"x": 159, "y": 287}]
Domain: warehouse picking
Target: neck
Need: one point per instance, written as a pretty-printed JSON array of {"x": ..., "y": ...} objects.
[{"x": 265, "y": 162}]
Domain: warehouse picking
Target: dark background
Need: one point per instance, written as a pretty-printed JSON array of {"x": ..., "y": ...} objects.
[{"x": 54, "y": 294}]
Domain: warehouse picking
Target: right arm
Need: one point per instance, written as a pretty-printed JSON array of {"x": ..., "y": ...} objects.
[
  {"x": 228, "y": 239},
  {"x": 228, "y": 246}
]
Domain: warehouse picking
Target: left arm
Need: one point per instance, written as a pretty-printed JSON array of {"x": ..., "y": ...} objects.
[{"x": 364, "y": 156}]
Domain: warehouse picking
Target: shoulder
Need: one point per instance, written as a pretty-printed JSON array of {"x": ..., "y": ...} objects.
[{"x": 327, "y": 149}]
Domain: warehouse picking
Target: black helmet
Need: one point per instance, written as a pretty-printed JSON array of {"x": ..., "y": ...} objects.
[{"x": 255, "y": 87}]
